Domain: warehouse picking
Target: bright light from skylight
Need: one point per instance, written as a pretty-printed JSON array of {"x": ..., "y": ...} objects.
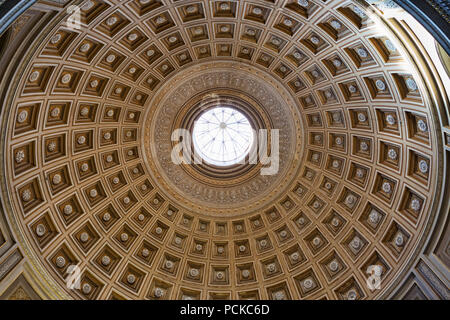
[{"x": 222, "y": 136}]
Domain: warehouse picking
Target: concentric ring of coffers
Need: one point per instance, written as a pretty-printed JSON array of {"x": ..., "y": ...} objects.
[{"x": 77, "y": 165}]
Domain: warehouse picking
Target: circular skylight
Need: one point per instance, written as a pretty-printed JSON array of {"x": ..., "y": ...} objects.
[{"x": 222, "y": 136}]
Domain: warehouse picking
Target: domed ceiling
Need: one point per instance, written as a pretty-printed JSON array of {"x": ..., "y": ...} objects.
[{"x": 90, "y": 180}]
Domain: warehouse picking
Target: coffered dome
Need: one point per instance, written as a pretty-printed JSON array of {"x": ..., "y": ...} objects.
[{"x": 89, "y": 178}]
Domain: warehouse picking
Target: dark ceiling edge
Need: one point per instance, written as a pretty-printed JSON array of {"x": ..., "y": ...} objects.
[
  {"x": 433, "y": 15},
  {"x": 10, "y": 10}
]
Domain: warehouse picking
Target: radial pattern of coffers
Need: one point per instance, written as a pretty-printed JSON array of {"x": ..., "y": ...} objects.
[{"x": 91, "y": 181}]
